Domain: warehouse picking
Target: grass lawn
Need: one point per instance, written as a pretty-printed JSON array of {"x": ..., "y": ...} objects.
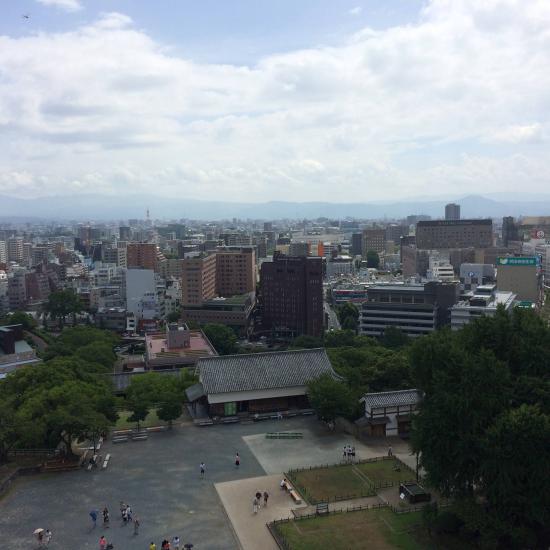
[
  {"x": 384, "y": 470},
  {"x": 327, "y": 483},
  {"x": 378, "y": 528}
]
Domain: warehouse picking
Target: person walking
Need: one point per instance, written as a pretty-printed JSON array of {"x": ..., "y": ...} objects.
[
  {"x": 105, "y": 518},
  {"x": 352, "y": 453},
  {"x": 93, "y": 515},
  {"x": 47, "y": 537},
  {"x": 176, "y": 543},
  {"x": 152, "y": 546},
  {"x": 390, "y": 451},
  {"x": 345, "y": 453},
  {"x": 129, "y": 513},
  {"x": 136, "y": 525},
  {"x": 266, "y": 496},
  {"x": 202, "y": 469},
  {"x": 102, "y": 543},
  {"x": 122, "y": 509},
  {"x": 255, "y": 505},
  {"x": 237, "y": 460}
]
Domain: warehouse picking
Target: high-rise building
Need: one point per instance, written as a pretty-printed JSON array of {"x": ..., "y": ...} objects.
[
  {"x": 373, "y": 239},
  {"x": 198, "y": 279},
  {"x": 298, "y": 249},
  {"x": 15, "y": 249},
  {"x": 292, "y": 296},
  {"x": 235, "y": 271},
  {"x": 444, "y": 234},
  {"x": 356, "y": 248},
  {"x": 3, "y": 252},
  {"x": 452, "y": 211},
  {"x": 124, "y": 233},
  {"x": 509, "y": 230},
  {"x": 143, "y": 255}
]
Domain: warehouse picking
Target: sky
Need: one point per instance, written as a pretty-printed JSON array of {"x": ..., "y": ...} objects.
[{"x": 257, "y": 100}]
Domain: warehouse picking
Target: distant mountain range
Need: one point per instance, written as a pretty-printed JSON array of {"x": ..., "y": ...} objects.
[{"x": 102, "y": 207}]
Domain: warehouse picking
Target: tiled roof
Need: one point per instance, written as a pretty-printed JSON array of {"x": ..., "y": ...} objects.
[
  {"x": 391, "y": 398},
  {"x": 262, "y": 371}
]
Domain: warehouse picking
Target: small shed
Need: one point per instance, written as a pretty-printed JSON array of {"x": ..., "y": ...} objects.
[{"x": 388, "y": 413}]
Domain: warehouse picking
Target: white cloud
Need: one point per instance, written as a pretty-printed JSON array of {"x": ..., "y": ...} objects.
[
  {"x": 356, "y": 10},
  {"x": 529, "y": 133},
  {"x": 389, "y": 113},
  {"x": 67, "y": 5}
]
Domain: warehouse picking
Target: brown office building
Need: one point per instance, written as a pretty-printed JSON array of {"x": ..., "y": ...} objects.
[
  {"x": 141, "y": 255},
  {"x": 235, "y": 271},
  {"x": 374, "y": 239},
  {"x": 437, "y": 234},
  {"x": 198, "y": 279},
  {"x": 292, "y": 296}
]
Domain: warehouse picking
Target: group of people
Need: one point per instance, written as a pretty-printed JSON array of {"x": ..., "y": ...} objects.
[
  {"x": 44, "y": 537},
  {"x": 257, "y": 501},
  {"x": 349, "y": 453},
  {"x": 126, "y": 515},
  {"x": 166, "y": 545}
]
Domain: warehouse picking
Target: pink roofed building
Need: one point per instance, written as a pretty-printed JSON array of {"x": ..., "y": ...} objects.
[{"x": 177, "y": 347}]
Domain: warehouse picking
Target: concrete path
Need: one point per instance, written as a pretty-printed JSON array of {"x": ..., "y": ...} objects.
[{"x": 250, "y": 528}]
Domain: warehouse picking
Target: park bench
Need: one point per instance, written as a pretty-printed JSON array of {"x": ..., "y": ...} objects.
[
  {"x": 295, "y": 496},
  {"x": 120, "y": 439},
  {"x": 91, "y": 465},
  {"x": 116, "y": 433},
  {"x": 106, "y": 461},
  {"x": 156, "y": 429},
  {"x": 230, "y": 420},
  {"x": 139, "y": 437},
  {"x": 203, "y": 422},
  {"x": 322, "y": 508}
]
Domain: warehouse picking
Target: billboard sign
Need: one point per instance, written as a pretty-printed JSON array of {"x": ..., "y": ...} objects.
[{"x": 522, "y": 261}]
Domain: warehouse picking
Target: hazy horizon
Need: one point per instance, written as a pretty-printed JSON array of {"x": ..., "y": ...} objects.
[{"x": 254, "y": 101}]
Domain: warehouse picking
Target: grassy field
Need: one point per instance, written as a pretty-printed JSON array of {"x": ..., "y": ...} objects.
[
  {"x": 327, "y": 483},
  {"x": 379, "y": 528},
  {"x": 385, "y": 470}
]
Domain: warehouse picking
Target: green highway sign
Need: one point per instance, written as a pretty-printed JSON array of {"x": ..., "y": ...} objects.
[{"x": 528, "y": 260}]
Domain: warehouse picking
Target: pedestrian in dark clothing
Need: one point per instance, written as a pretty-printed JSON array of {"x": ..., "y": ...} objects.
[
  {"x": 136, "y": 526},
  {"x": 93, "y": 515},
  {"x": 237, "y": 460},
  {"x": 266, "y": 496},
  {"x": 202, "y": 468},
  {"x": 105, "y": 517}
]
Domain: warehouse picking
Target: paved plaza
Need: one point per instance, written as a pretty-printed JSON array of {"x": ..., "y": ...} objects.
[{"x": 160, "y": 479}]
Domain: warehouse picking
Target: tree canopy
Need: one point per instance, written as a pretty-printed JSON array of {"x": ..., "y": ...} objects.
[
  {"x": 373, "y": 259},
  {"x": 482, "y": 430},
  {"x": 62, "y": 303},
  {"x": 330, "y": 398},
  {"x": 222, "y": 338}
]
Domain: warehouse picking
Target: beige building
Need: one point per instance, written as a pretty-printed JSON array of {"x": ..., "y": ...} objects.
[
  {"x": 519, "y": 275},
  {"x": 143, "y": 255},
  {"x": 198, "y": 279},
  {"x": 235, "y": 271},
  {"x": 436, "y": 234},
  {"x": 374, "y": 239},
  {"x": 15, "y": 249}
]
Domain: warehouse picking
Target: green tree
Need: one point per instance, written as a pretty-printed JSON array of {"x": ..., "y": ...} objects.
[
  {"x": 463, "y": 395},
  {"x": 516, "y": 482},
  {"x": 173, "y": 317},
  {"x": 348, "y": 315},
  {"x": 222, "y": 338},
  {"x": 306, "y": 342},
  {"x": 394, "y": 338},
  {"x": 62, "y": 303},
  {"x": 330, "y": 398},
  {"x": 373, "y": 259},
  {"x": 20, "y": 318},
  {"x": 339, "y": 338}
]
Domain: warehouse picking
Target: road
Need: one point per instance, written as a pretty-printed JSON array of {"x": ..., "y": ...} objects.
[{"x": 333, "y": 323}]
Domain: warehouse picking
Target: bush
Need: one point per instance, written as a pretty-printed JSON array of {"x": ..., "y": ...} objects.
[{"x": 447, "y": 523}]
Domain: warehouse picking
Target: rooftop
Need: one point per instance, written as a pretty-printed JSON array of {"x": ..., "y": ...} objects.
[
  {"x": 157, "y": 347},
  {"x": 391, "y": 398},
  {"x": 262, "y": 371}
]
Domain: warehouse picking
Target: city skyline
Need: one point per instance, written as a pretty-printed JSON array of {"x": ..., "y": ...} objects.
[{"x": 311, "y": 103}]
